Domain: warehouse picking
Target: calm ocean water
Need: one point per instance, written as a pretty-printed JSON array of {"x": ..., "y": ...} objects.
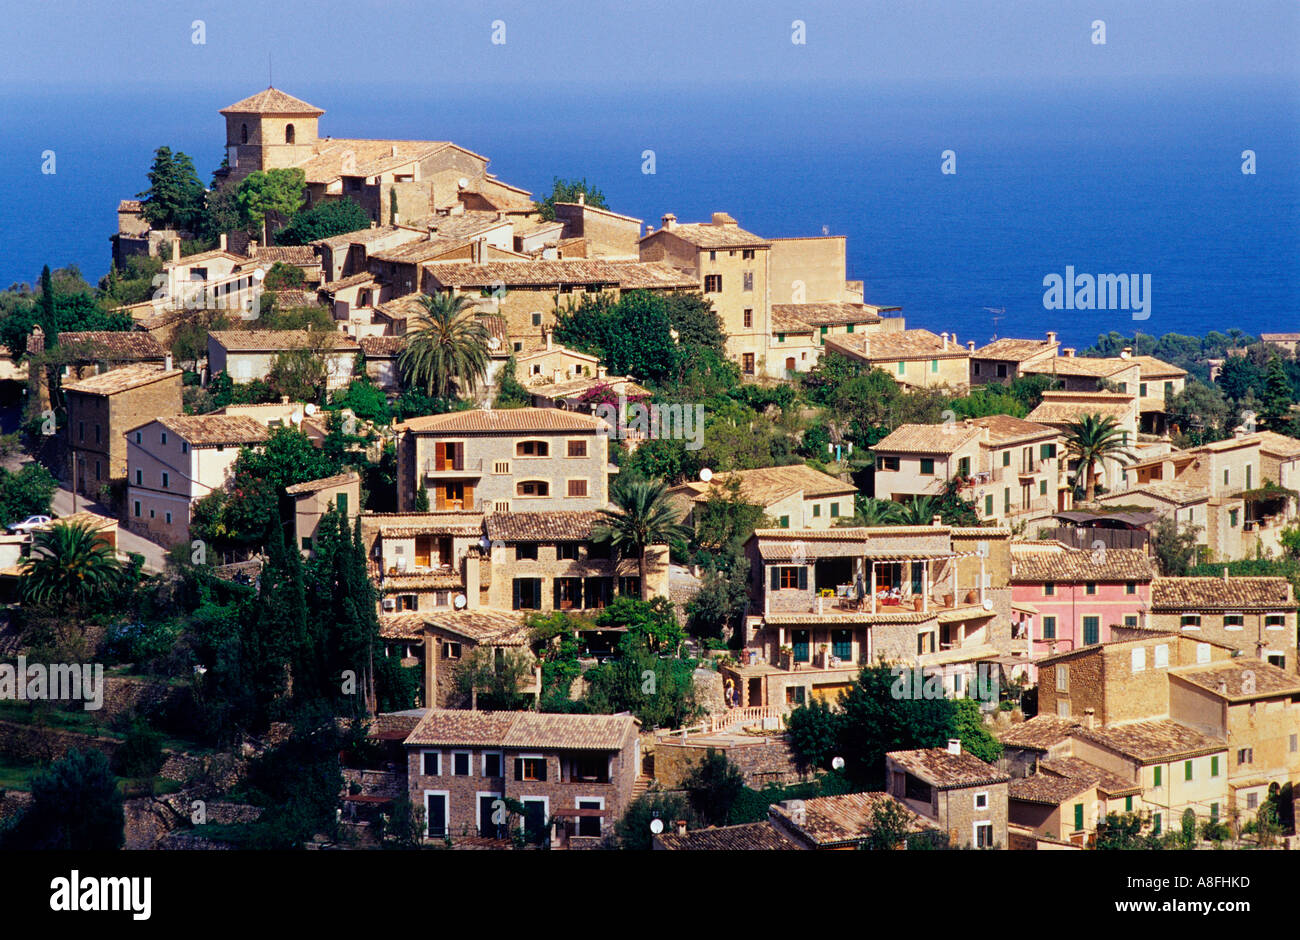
[{"x": 1110, "y": 179}]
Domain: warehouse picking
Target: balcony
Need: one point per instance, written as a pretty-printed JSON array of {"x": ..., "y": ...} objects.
[{"x": 434, "y": 467}]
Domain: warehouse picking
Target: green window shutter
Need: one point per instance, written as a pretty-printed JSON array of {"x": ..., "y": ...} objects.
[
  {"x": 1187, "y": 770},
  {"x": 776, "y": 579},
  {"x": 988, "y": 504},
  {"x": 817, "y": 510},
  {"x": 1157, "y": 778},
  {"x": 934, "y": 365},
  {"x": 1128, "y": 804},
  {"x": 835, "y": 509},
  {"x": 1078, "y": 817},
  {"x": 1092, "y": 632},
  {"x": 1006, "y": 458},
  {"x": 1049, "y": 628},
  {"x": 785, "y": 522},
  {"x": 848, "y": 329},
  {"x": 902, "y": 368},
  {"x": 1042, "y": 487},
  {"x": 342, "y": 502},
  {"x": 1155, "y": 825},
  {"x": 1214, "y": 766},
  {"x": 519, "y": 768},
  {"x": 803, "y": 579}
]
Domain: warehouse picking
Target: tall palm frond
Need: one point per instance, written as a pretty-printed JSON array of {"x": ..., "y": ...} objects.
[
  {"x": 446, "y": 347},
  {"x": 643, "y": 515},
  {"x": 1093, "y": 439},
  {"x": 70, "y": 563}
]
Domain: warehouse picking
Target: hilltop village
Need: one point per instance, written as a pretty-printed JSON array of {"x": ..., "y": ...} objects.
[{"x": 398, "y": 506}]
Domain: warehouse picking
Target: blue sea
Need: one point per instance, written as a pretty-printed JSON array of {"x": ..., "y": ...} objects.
[{"x": 1108, "y": 178}]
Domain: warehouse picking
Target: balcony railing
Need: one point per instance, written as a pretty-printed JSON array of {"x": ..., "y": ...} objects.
[{"x": 435, "y": 467}]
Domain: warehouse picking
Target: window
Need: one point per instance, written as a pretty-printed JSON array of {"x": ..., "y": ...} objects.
[
  {"x": 185, "y": 447},
  {"x": 530, "y": 768},
  {"x": 1006, "y": 458},
  {"x": 1002, "y": 370},
  {"x": 975, "y": 369},
  {"x": 1090, "y": 587},
  {"x": 1063, "y": 708},
  {"x": 1232, "y": 518},
  {"x": 1091, "y": 631},
  {"x": 576, "y": 448},
  {"x": 536, "y": 488},
  {"x": 1202, "y": 652},
  {"x": 749, "y": 319},
  {"x": 1274, "y": 621},
  {"x": 988, "y": 504},
  {"x": 794, "y": 695},
  {"x": 1128, "y": 804},
  {"x": 629, "y": 586},
  {"x": 785, "y": 522},
  {"x": 537, "y": 319},
  {"x": 1233, "y": 621},
  {"x": 1049, "y": 628},
  {"x": 1190, "y": 621},
  {"x": 526, "y": 551},
  {"x": 1049, "y": 589},
  {"x": 747, "y": 254},
  {"x": 577, "y": 489},
  {"x": 431, "y": 764},
  {"x": 1293, "y": 743},
  {"x": 934, "y": 365},
  {"x": 164, "y": 437},
  {"x": 1138, "y": 659},
  {"x": 963, "y": 467},
  {"x": 168, "y": 517},
  {"x": 532, "y": 449},
  {"x": 139, "y": 437},
  {"x": 1142, "y": 389},
  {"x": 139, "y": 478},
  {"x": 1130, "y": 620},
  {"x": 713, "y": 256},
  {"x": 1245, "y": 755},
  {"x": 747, "y": 281},
  {"x": 1227, "y": 475},
  {"x": 492, "y": 765},
  {"x": 902, "y": 368},
  {"x": 887, "y": 463},
  {"x": 1157, "y": 770},
  {"x": 1131, "y": 587},
  {"x": 288, "y": 133},
  {"x": 835, "y": 510},
  {"x": 243, "y": 133},
  {"x": 984, "y": 835},
  {"x": 1252, "y": 800},
  {"x": 166, "y": 479},
  {"x": 1042, "y": 487},
  {"x": 527, "y": 594},
  {"x": 566, "y": 551},
  {"x": 1063, "y": 677},
  {"x": 982, "y": 800},
  {"x": 1046, "y": 451},
  {"x": 1078, "y": 817},
  {"x": 1155, "y": 822},
  {"x": 451, "y": 651},
  {"x": 747, "y": 363},
  {"x": 1162, "y": 655},
  {"x": 817, "y": 510},
  {"x": 712, "y": 283},
  {"x": 927, "y": 466},
  {"x": 790, "y": 577},
  {"x": 842, "y": 645},
  {"x": 137, "y": 509}
]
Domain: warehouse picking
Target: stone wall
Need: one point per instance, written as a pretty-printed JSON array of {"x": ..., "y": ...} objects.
[
  {"x": 32, "y": 744},
  {"x": 765, "y": 761}
]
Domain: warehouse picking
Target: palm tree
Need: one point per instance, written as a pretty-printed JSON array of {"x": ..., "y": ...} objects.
[
  {"x": 873, "y": 512},
  {"x": 919, "y": 510},
  {"x": 70, "y": 563},
  {"x": 1092, "y": 439},
  {"x": 642, "y": 516},
  {"x": 447, "y": 349}
]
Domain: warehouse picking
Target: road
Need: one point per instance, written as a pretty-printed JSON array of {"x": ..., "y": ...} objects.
[{"x": 154, "y": 554}]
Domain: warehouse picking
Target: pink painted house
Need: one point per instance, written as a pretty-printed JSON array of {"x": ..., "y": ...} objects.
[{"x": 1065, "y": 598}]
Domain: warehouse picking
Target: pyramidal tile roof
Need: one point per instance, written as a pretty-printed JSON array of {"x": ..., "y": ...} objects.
[{"x": 271, "y": 101}]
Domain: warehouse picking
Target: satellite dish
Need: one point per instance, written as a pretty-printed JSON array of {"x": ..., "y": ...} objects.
[
  {"x": 462, "y": 182},
  {"x": 310, "y": 409},
  {"x": 837, "y": 763},
  {"x": 988, "y": 603},
  {"x": 494, "y": 343},
  {"x": 656, "y": 826},
  {"x": 259, "y": 274},
  {"x": 706, "y": 475},
  {"x": 460, "y": 602}
]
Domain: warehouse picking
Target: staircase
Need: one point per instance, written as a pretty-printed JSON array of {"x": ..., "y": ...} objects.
[{"x": 641, "y": 785}]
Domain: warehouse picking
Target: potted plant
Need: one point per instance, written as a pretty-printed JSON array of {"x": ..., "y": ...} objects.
[{"x": 787, "y": 656}]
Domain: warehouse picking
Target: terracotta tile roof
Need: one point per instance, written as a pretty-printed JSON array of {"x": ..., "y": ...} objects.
[
  {"x": 1005, "y": 429},
  {"x": 749, "y": 837},
  {"x": 843, "y": 819},
  {"x": 362, "y": 236},
  {"x": 130, "y": 205},
  {"x": 121, "y": 380},
  {"x": 1154, "y": 741},
  {"x": 1241, "y": 679},
  {"x": 276, "y": 340},
  {"x": 1080, "y": 365},
  {"x": 1277, "y": 445},
  {"x": 789, "y": 323},
  {"x": 709, "y": 235},
  {"x": 289, "y": 299},
  {"x": 482, "y": 625},
  {"x": 382, "y": 347},
  {"x": 828, "y": 314},
  {"x": 337, "y": 156},
  {"x": 402, "y": 308},
  {"x": 1167, "y": 491},
  {"x": 447, "y": 580},
  {"x": 1153, "y": 368},
  {"x": 766, "y": 485},
  {"x": 628, "y": 275},
  {"x": 900, "y": 345},
  {"x": 324, "y": 483},
  {"x": 1014, "y": 350},
  {"x": 1039, "y": 733},
  {"x": 419, "y": 251},
  {"x": 617, "y": 384},
  {"x": 122, "y": 346},
  {"x": 299, "y": 255},
  {"x": 210, "y": 255},
  {"x": 352, "y": 280},
  {"x": 1074, "y": 564},
  {"x": 407, "y": 524},
  {"x": 941, "y": 769},
  {"x": 1219, "y": 594},
  {"x": 408, "y": 625},
  {"x": 1064, "y": 407},
  {"x": 503, "y": 421},
  {"x": 271, "y": 101},
  {"x": 522, "y": 730},
  {"x": 1059, "y": 780},
  {"x": 561, "y": 526},
  {"x": 212, "y": 430},
  {"x": 927, "y": 439}
]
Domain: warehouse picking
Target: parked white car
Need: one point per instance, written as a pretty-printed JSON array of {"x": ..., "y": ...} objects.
[{"x": 31, "y": 522}]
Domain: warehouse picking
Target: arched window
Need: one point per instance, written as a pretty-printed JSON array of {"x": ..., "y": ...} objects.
[
  {"x": 243, "y": 133},
  {"x": 288, "y": 134}
]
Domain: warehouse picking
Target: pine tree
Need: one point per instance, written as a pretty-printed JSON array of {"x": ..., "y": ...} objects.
[{"x": 1278, "y": 397}]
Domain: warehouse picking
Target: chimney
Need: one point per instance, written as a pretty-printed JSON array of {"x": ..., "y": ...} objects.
[
  {"x": 970, "y": 344},
  {"x": 1239, "y": 432},
  {"x": 547, "y": 334},
  {"x": 473, "y": 580},
  {"x": 668, "y": 222},
  {"x": 945, "y": 340},
  {"x": 393, "y": 150},
  {"x": 252, "y": 247},
  {"x": 1051, "y": 336},
  {"x": 936, "y": 519},
  {"x": 954, "y": 745},
  {"x": 866, "y": 346},
  {"x": 1126, "y": 352},
  {"x": 284, "y": 399},
  {"x": 176, "y": 248},
  {"x": 722, "y": 218},
  {"x": 681, "y": 827},
  {"x": 1069, "y": 352},
  {"x": 1225, "y": 572},
  {"x": 1090, "y": 718},
  {"x": 582, "y": 198},
  {"x": 649, "y": 229},
  {"x": 221, "y": 241},
  {"x": 600, "y": 372},
  {"x": 167, "y": 363}
]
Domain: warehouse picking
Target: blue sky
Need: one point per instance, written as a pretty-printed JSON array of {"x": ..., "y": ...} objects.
[{"x": 418, "y": 45}]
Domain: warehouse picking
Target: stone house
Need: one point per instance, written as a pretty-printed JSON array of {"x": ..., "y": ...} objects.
[
  {"x": 1065, "y": 798},
  {"x": 173, "y": 461},
  {"x": 1004, "y": 360},
  {"x": 800, "y": 330},
  {"x": 963, "y": 796},
  {"x": 1254, "y": 615},
  {"x": 913, "y": 358},
  {"x": 91, "y": 353},
  {"x": 313, "y": 498},
  {"x": 248, "y": 355},
  {"x": 839, "y": 822},
  {"x": 516, "y": 459},
  {"x": 100, "y": 410},
  {"x": 795, "y": 496},
  {"x": 382, "y": 355},
  {"x": 575, "y": 770},
  {"x": 746, "y": 837}
]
